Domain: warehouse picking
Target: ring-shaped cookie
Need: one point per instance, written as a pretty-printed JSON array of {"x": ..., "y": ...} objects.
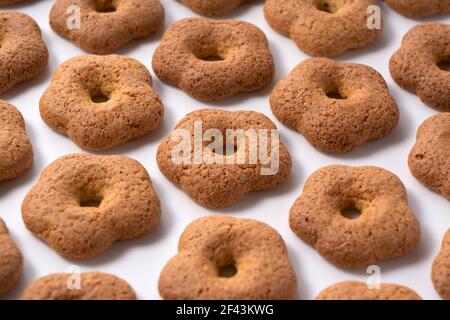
[
  {"x": 23, "y": 53},
  {"x": 11, "y": 260},
  {"x": 229, "y": 258},
  {"x": 336, "y": 106},
  {"x": 101, "y": 101},
  {"x": 324, "y": 28},
  {"x": 83, "y": 203},
  {"x": 422, "y": 64},
  {"x": 419, "y": 8},
  {"x": 103, "y": 26},
  {"x": 323, "y": 216},
  {"x": 213, "y": 7},
  {"x": 214, "y": 59}
]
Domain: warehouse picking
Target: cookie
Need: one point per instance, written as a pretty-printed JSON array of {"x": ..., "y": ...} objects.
[
  {"x": 101, "y": 101},
  {"x": 323, "y": 28},
  {"x": 336, "y": 106},
  {"x": 220, "y": 158},
  {"x": 11, "y": 261},
  {"x": 441, "y": 269},
  {"x": 103, "y": 26},
  {"x": 16, "y": 152},
  {"x": 421, "y": 64},
  {"x": 419, "y": 8},
  {"x": 354, "y": 290},
  {"x": 24, "y": 54},
  {"x": 213, "y": 7},
  {"x": 355, "y": 216},
  {"x": 89, "y": 286},
  {"x": 214, "y": 59},
  {"x": 83, "y": 203},
  {"x": 225, "y": 258},
  {"x": 429, "y": 158}
]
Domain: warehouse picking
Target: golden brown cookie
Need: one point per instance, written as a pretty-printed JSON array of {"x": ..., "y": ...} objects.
[
  {"x": 419, "y": 8},
  {"x": 441, "y": 269},
  {"x": 336, "y": 106},
  {"x": 220, "y": 174},
  {"x": 101, "y": 101},
  {"x": 213, "y": 7},
  {"x": 323, "y": 27},
  {"x": 23, "y": 54},
  {"x": 103, "y": 26},
  {"x": 88, "y": 286},
  {"x": 16, "y": 152},
  {"x": 354, "y": 290},
  {"x": 11, "y": 261},
  {"x": 421, "y": 65},
  {"x": 83, "y": 203},
  {"x": 214, "y": 59},
  {"x": 355, "y": 216},
  {"x": 429, "y": 160},
  {"x": 228, "y": 258}
]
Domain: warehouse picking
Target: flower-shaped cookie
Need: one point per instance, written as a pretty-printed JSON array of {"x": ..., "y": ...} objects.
[
  {"x": 214, "y": 59},
  {"x": 103, "y": 26},
  {"x": 336, "y": 106},
  {"x": 421, "y": 65},
  {"x": 323, "y": 27},
  {"x": 441, "y": 269},
  {"x": 229, "y": 258},
  {"x": 218, "y": 156},
  {"x": 355, "y": 216},
  {"x": 213, "y": 7},
  {"x": 84, "y": 203},
  {"x": 23, "y": 53},
  {"x": 11, "y": 261},
  {"x": 101, "y": 101},
  {"x": 16, "y": 152},
  {"x": 429, "y": 160},
  {"x": 420, "y": 8}
]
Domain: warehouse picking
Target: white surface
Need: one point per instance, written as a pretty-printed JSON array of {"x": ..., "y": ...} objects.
[{"x": 140, "y": 261}]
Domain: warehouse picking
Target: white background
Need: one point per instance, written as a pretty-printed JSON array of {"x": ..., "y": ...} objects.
[{"x": 140, "y": 261}]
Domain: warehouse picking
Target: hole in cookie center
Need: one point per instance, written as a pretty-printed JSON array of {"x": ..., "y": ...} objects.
[
  {"x": 444, "y": 64},
  {"x": 326, "y": 6},
  {"x": 335, "y": 95},
  {"x": 104, "y": 6},
  {"x": 223, "y": 147},
  {"x": 98, "y": 96},
  {"x": 210, "y": 54},
  {"x": 93, "y": 202},
  {"x": 350, "y": 211},
  {"x": 227, "y": 271}
]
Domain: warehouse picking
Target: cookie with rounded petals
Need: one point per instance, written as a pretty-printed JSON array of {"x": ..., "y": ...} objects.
[
  {"x": 354, "y": 290},
  {"x": 11, "y": 260},
  {"x": 419, "y": 8},
  {"x": 323, "y": 28},
  {"x": 16, "y": 152},
  {"x": 214, "y": 59},
  {"x": 103, "y": 26},
  {"x": 441, "y": 269},
  {"x": 83, "y": 203},
  {"x": 421, "y": 64},
  {"x": 85, "y": 286},
  {"x": 336, "y": 106},
  {"x": 101, "y": 102},
  {"x": 225, "y": 258},
  {"x": 355, "y": 216}
]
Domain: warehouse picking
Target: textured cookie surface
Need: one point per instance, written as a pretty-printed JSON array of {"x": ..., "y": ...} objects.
[
  {"x": 441, "y": 269},
  {"x": 429, "y": 160},
  {"x": 103, "y": 26},
  {"x": 219, "y": 179},
  {"x": 323, "y": 27},
  {"x": 336, "y": 106},
  {"x": 420, "y": 8},
  {"x": 354, "y": 290},
  {"x": 83, "y": 203},
  {"x": 101, "y": 101},
  {"x": 213, "y": 7},
  {"x": 385, "y": 228},
  {"x": 11, "y": 261},
  {"x": 89, "y": 286},
  {"x": 16, "y": 152},
  {"x": 421, "y": 64},
  {"x": 23, "y": 54},
  {"x": 255, "y": 250},
  {"x": 212, "y": 59}
]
